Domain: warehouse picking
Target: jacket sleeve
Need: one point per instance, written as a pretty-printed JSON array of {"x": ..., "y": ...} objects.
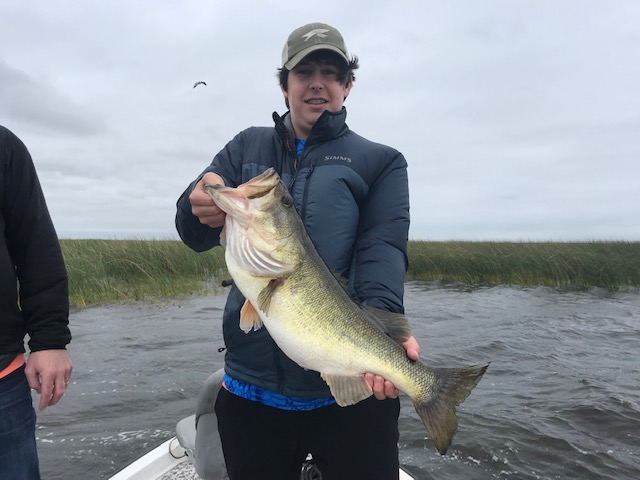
[
  {"x": 228, "y": 164},
  {"x": 381, "y": 248},
  {"x": 36, "y": 253}
]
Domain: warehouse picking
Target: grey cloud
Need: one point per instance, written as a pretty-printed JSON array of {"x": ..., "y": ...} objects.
[{"x": 38, "y": 105}]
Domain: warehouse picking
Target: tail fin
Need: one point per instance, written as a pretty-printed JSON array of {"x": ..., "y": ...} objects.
[{"x": 438, "y": 413}]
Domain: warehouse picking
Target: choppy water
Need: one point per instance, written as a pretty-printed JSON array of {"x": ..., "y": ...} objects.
[{"x": 561, "y": 399}]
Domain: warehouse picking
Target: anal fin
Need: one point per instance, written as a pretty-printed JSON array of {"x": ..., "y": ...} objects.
[{"x": 347, "y": 390}]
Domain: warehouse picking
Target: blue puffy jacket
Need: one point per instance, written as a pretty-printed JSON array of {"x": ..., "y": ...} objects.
[{"x": 352, "y": 195}]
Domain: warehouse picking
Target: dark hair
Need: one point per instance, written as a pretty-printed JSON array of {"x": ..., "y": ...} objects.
[{"x": 345, "y": 70}]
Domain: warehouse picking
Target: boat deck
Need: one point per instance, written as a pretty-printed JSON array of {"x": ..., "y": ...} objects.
[{"x": 182, "y": 471}]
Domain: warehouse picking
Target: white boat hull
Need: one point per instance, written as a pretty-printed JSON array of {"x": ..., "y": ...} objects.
[
  {"x": 155, "y": 464},
  {"x": 166, "y": 460}
]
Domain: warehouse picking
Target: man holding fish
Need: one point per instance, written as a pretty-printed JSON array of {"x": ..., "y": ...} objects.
[{"x": 352, "y": 197}]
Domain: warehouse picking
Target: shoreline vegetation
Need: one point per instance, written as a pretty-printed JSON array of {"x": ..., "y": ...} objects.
[{"x": 108, "y": 271}]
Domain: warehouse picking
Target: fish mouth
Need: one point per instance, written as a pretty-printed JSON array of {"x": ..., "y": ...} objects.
[
  {"x": 247, "y": 231},
  {"x": 230, "y": 200},
  {"x": 261, "y": 185}
]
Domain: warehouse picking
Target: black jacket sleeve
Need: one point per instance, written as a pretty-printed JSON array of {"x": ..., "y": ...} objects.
[{"x": 34, "y": 250}]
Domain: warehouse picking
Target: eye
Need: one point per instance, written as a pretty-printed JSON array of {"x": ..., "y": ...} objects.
[{"x": 287, "y": 201}]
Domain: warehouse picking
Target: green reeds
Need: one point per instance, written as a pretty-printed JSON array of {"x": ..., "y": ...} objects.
[
  {"x": 121, "y": 270},
  {"x": 102, "y": 271},
  {"x": 613, "y": 265}
]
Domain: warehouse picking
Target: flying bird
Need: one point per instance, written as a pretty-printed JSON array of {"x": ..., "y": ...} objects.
[{"x": 198, "y": 83}]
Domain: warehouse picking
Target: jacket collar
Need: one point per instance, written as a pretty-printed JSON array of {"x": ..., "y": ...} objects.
[{"x": 329, "y": 126}]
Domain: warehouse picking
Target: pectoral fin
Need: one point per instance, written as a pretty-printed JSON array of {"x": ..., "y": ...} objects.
[
  {"x": 347, "y": 390},
  {"x": 249, "y": 318},
  {"x": 265, "y": 296}
]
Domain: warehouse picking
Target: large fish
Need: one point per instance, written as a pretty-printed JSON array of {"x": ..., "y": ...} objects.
[{"x": 309, "y": 314}]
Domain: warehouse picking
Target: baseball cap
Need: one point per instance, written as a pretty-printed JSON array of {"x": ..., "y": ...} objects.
[{"x": 309, "y": 38}]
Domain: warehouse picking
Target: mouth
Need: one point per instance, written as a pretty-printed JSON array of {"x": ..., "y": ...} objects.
[{"x": 316, "y": 101}]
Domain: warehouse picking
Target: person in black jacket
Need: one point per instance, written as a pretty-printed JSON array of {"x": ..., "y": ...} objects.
[
  {"x": 34, "y": 301},
  {"x": 352, "y": 196}
]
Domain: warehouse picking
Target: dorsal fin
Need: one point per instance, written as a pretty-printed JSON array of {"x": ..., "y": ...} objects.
[
  {"x": 344, "y": 282},
  {"x": 393, "y": 324}
]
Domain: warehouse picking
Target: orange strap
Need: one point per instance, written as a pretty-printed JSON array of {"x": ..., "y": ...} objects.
[{"x": 13, "y": 366}]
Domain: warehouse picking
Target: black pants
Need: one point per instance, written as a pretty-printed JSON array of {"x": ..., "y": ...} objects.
[{"x": 265, "y": 443}]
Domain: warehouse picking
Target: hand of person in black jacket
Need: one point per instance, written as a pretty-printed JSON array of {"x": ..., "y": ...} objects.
[{"x": 48, "y": 373}]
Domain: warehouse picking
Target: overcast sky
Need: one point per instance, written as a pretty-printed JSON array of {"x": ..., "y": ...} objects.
[{"x": 520, "y": 120}]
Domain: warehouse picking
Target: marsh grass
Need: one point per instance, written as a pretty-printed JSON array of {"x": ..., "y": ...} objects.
[
  {"x": 102, "y": 271},
  {"x": 612, "y": 265}
]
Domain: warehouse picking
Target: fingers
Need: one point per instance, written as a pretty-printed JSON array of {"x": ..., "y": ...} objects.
[
  {"x": 384, "y": 388},
  {"x": 412, "y": 348},
  {"x": 52, "y": 390},
  {"x": 59, "y": 390},
  {"x": 212, "y": 215},
  {"x": 46, "y": 392},
  {"x": 203, "y": 206},
  {"x": 33, "y": 378},
  {"x": 381, "y": 388}
]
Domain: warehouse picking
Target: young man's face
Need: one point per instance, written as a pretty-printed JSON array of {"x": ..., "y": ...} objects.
[{"x": 313, "y": 87}]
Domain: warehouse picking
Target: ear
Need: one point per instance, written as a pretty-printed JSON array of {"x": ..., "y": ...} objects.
[
  {"x": 286, "y": 96},
  {"x": 347, "y": 88}
]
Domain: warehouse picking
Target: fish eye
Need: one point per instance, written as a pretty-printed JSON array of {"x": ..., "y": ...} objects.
[{"x": 287, "y": 201}]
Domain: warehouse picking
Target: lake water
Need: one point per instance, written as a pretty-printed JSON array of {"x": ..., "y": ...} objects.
[{"x": 561, "y": 399}]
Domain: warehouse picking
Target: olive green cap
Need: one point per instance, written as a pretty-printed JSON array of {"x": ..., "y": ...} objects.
[{"x": 309, "y": 38}]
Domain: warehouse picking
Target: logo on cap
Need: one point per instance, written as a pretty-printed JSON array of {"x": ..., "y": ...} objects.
[{"x": 320, "y": 32}]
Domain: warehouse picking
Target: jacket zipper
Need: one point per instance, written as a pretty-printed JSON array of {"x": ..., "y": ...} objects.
[
  {"x": 276, "y": 358},
  {"x": 305, "y": 194}
]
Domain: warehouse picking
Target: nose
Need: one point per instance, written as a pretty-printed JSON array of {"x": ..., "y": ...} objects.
[{"x": 316, "y": 81}]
